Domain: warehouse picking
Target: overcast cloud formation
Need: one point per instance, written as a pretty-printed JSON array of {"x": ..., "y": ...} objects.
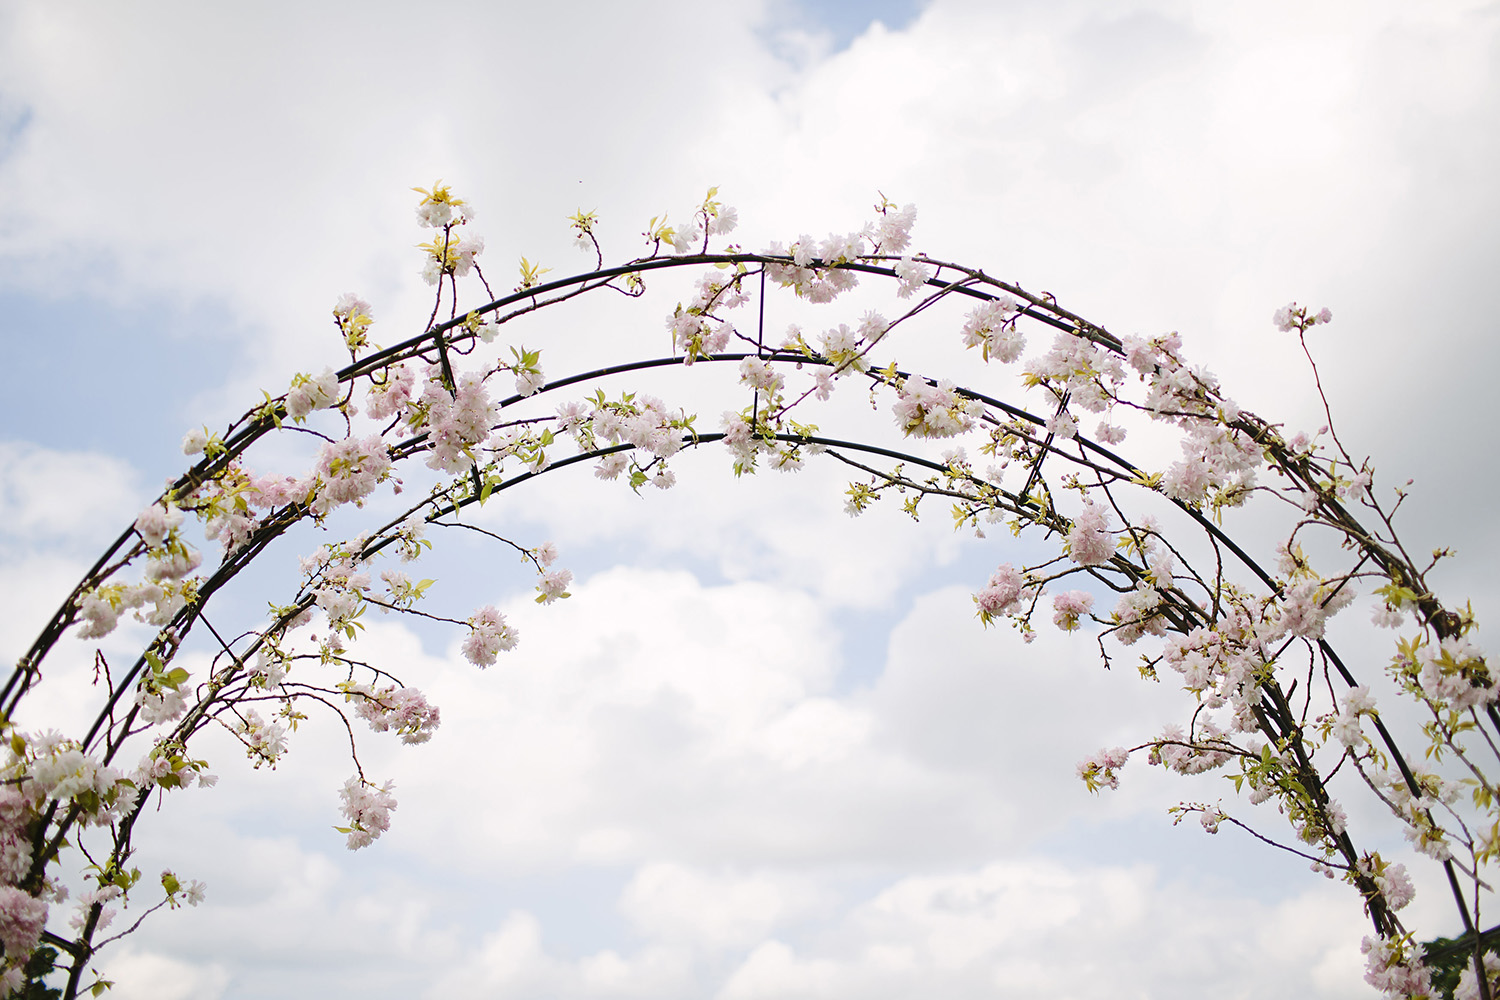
[{"x": 764, "y": 751}]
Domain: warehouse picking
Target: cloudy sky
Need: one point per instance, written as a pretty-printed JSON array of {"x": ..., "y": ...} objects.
[{"x": 764, "y": 751}]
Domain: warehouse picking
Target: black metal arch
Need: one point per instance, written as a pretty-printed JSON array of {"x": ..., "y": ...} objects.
[{"x": 1276, "y": 716}]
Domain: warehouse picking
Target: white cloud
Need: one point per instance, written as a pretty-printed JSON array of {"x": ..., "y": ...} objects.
[
  {"x": 675, "y": 754},
  {"x": 149, "y": 976},
  {"x": 52, "y": 498},
  {"x": 1021, "y": 928},
  {"x": 1034, "y": 929},
  {"x": 709, "y": 912},
  {"x": 653, "y": 717},
  {"x": 513, "y": 962}
]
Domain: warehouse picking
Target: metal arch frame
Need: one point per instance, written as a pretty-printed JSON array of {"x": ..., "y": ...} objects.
[{"x": 1277, "y": 722}]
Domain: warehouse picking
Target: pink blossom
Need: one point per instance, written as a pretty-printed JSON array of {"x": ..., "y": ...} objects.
[
  {"x": 173, "y": 565},
  {"x": 155, "y": 522},
  {"x": 99, "y": 616},
  {"x": 872, "y": 327},
  {"x": 1076, "y": 365},
  {"x": 308, "y": 394},
  {"x": 1302, "y": 611},
  {"x": 1003, "y": 594},
  {"x": 1397, "y": 975},
  {"x": 822, "y": 383},
  {"x": 390, "y": 397},
  {"x": 1062, "y": 424},
  {"x": 554, "y": 585},
  {"x": 724, "y": 220},
  {"x": 571, "y": 416},
  {"x": 529, "y": 380},
  {"x": 436, "y": 214},
  {"x": 1109, "y": 433},
  {"x": 1396, "y": 885},
  {"x": 405, "y": 710},
  {"x": 1099, "y": 770},
  {"x": 232, "y": 528},
  {"x": 1140, "y": 354},
  {"x": 1346, "y": 730},
  {"x": 990, "y": 326},
  {"x": 1135, "y": 614},
  {"x": 685, "y": 239},
  {"x": 489, "y": 635},
  {"x": 893, "y": 228},
  {"x": 264, "y": 742},
  {"x": 350, "y": 304},
  {"x": 339, "y": 604},
  {"x": 160, "y": 705},
  {"x": 911, "y": 275},
  {"x": 1069, "y": 606},
  {"x": 1468, "y": 983},
  {"x": 761, "y": 376},
  {"x": 1089, "y": 540},
  {"x": 1359, "y": 700},
  {"x": 22, "y": 917},
  {"x": 843, "y": 348},
  {"x": 368, "y": 810},
  {"x": 458, "y": 422},
  {"x": 350, "y": 470},
  {"x": 610, "y": 466},
  {"x": 15, "y": 847},
  {"x": 934, "y": 411}
]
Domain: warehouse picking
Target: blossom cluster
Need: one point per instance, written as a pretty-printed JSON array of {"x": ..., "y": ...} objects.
[
  {"x": 368, "y": 811},
  {"x": 1007, "y": 590},
  {"x": 457, "y": 421},
  {"x": 348, "y": 472},
  {"x": 44, "y": 771},
  {"x": 696, "y": 331},
  {"x": 404, "y": 710},
  {"x": 991, "y": 326},
  {"x": 925, "y": 409},
  {"x": 489, "y": 636},
  {"x": 1394, "y": 967}
]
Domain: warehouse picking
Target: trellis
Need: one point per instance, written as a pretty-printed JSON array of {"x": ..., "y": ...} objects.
[{"x": 1041, "y": 450}]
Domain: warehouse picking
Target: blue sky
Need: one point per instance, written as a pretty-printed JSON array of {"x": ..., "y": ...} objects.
[
  {"x": 184, "y": 192},
  {"x": 846, "y": 20}
]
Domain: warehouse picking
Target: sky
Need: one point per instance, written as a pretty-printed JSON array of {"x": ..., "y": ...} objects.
[{"x": 764, "y": 750}]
